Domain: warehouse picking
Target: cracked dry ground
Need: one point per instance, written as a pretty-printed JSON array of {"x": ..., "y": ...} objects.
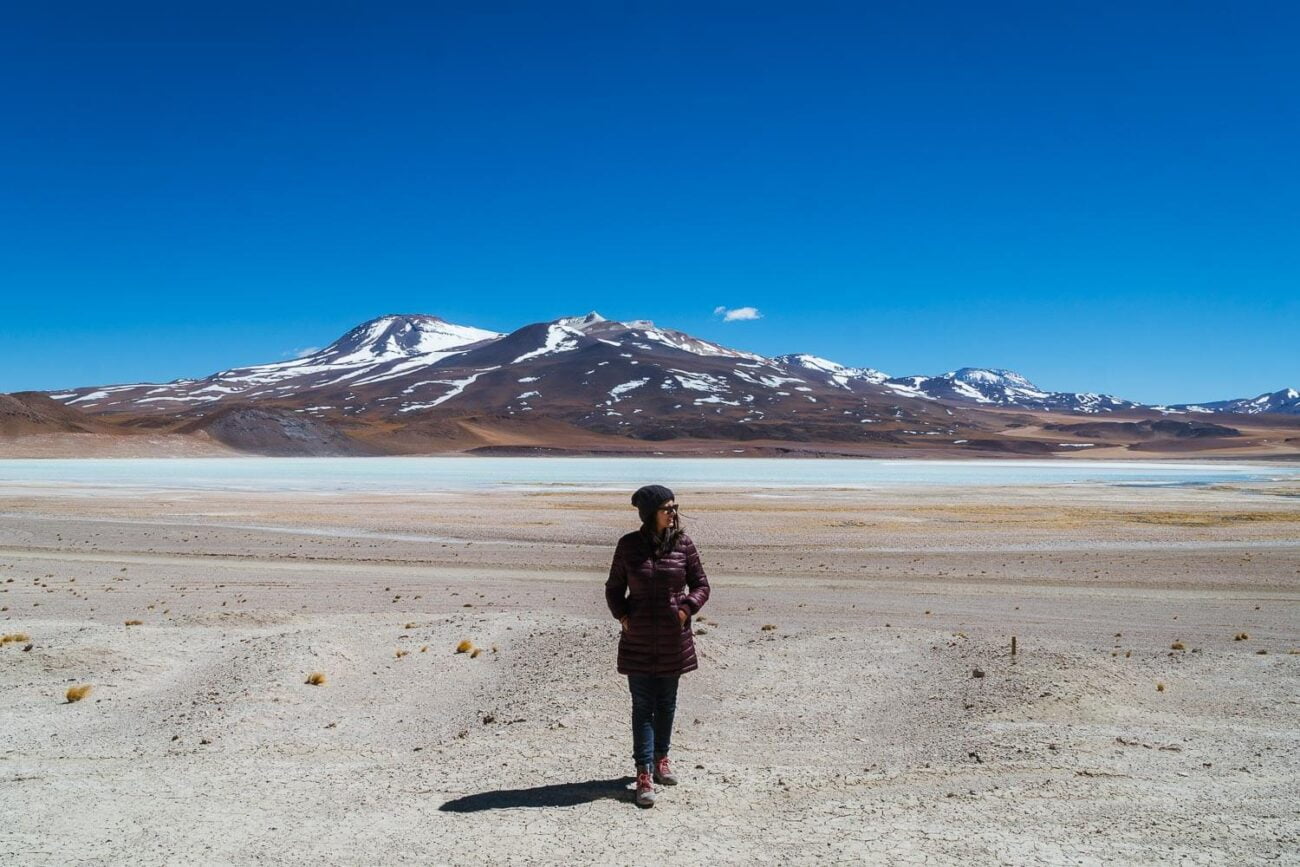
[{"x": 854, "y": 731}]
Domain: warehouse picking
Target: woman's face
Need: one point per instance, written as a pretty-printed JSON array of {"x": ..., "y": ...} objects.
[{"x": 666, "y": 515}]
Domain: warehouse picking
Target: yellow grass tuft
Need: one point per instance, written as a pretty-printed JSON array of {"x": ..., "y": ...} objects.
[
  {"x": 475, "y": 652},
  {"x": 400, "y": 653},
  {"x": 1160, "y": 687},
  {"x": 410, "y": 626},
  {"x": 465, "y": 646},
  {"x": 1177, "y": 645},
  {"x": 424, "y": 648},
  {"x": 1240, "y": 636},
  {"x": 768, "y": 627},
  {"x": 14, "y": 636},
  {"x": 135, "y": 623},
  {"x": 77, "y": 693},
  {"x": 316, "y": 678}
]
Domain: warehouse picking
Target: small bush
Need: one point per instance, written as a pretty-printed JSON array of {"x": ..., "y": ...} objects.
[
  {"x": 14, "y": 636},
  {"x": 1160, "y": 687},
  {"x": 77, "y": 693},
  {"x": 475, "y": 652},
  {"x": 1240, "y": 636},
  {"x": 465, "y": 646},
  {"x": 768, "y": 627},
  {"x": 316, "y": 678},
  {"x": 1177, "y": 645},
  {"x": 135, "y": 623},
  {"x": 400, "y": 653},
  {"x": 424, "y": 648},
  {"x": 410, "y": 626}
]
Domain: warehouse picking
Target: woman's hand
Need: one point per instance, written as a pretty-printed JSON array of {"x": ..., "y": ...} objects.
[
  {"x": 682, "y": 614},
  {"x": 622, "y": 622}
]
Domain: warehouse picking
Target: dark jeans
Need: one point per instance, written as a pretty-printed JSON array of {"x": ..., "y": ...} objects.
[{"x": 654, "y": 702}]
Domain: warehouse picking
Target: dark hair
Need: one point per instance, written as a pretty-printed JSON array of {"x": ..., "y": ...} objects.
[{"x": 664, "y": 543}]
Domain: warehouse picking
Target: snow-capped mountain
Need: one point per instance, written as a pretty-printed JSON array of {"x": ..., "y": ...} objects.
[
  {"x": 999, "y": 387},
  {"x": 384, "y": 347},
  {"x": 632, "y": 379},
  {"x": 991, "y": 387},
  {"x": 1286, "y": 401},
  {"x": 832, "y": 371}
]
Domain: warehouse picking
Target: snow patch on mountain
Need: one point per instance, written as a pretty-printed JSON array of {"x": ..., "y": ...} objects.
[
  {"x": 457, "y": 387},
  {"x": 617, "y": 391},
  {"x": 837, "y": 374},
  {"x": 559, "y": 338}
]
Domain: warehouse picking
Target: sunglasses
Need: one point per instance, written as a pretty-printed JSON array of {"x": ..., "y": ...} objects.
[{"x": 668, "y": 508}]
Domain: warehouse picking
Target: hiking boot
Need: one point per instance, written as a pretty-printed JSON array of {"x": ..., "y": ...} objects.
[
  {"x": 664, "y": 772},
  {"x": 645, "y": 790}
]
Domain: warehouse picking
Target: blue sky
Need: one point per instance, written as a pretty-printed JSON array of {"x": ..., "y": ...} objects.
[{"x": 1101, "y": 196}]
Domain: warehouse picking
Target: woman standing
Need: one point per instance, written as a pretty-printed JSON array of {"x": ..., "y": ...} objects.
[{"x": 659, "y": 570}]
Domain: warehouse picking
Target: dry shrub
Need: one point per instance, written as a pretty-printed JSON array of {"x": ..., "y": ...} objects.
[
  {"x": 410, "y": 626},
  {"x": 475, "y": 652},
  {"x": 1160, "y": 687},
  {"x": 424, "y": 648},
  {"x": 768, "y": 627},
  {"x": 135, "y": 623},
  {"x": 77, "y": 692},
  {"x": 465, "y": 646},
  {"x": 1177, "y": 645},
  {"x": 400, "y": 653},
  {"x": 14, "y": 636},
  {"x": 1240, "y": 636},
  {"x": 494, "y": 649},
  {"x": 316, "y": 678}
]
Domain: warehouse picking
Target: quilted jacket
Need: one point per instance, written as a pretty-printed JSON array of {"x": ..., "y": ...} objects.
[{"x": 650, "y": 589}]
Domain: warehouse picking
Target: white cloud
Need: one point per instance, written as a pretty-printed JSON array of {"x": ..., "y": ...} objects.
[
  {"x": 301, "y": 353},
  {"x": 737, "y": 314}
]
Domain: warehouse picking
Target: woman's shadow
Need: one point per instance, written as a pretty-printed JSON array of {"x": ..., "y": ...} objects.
[{"x": 553, "y": 795}]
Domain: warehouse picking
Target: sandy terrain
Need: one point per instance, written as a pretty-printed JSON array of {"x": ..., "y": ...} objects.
[{"x": 855, "y": 731}]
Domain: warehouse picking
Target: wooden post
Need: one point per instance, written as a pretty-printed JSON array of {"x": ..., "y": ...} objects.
[{"x": 1013, "y": 645}]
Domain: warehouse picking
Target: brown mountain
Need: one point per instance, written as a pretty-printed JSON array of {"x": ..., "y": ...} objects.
[{"x": 414, "y": 383}]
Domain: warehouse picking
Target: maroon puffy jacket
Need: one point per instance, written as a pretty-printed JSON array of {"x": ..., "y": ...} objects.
[{"x": 655, "y": 642}]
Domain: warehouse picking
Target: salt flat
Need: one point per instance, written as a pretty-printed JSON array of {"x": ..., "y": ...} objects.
[{"x": 855, "y": 731}]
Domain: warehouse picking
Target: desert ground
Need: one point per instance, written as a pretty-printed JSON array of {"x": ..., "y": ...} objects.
[{"x": 881, "y": 719}]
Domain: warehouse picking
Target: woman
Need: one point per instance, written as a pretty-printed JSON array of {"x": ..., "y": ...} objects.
[{"x": 659, "y": 570}]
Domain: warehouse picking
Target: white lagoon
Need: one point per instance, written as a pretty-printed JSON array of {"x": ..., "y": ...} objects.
[{"x": 413, "y": 474}]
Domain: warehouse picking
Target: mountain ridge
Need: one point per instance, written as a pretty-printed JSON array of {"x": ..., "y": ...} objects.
[
  {"x": 389, "y": 346},
  {"x": 408, "y": 382}
]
